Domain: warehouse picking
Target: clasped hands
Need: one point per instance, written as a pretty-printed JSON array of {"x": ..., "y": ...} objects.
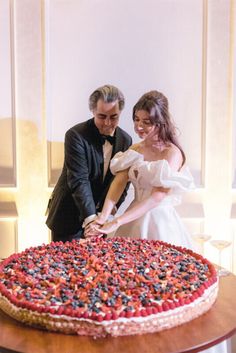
[{"x": 98, "y": 227}]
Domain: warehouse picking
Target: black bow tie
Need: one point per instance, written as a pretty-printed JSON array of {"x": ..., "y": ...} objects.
[{"x": 109, "y": 138}]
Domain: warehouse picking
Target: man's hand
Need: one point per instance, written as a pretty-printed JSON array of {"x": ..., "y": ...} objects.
[{"x": 91, "y": 228}]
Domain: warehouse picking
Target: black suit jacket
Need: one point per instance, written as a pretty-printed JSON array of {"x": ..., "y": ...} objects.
[{"x": 81, "y": 190}]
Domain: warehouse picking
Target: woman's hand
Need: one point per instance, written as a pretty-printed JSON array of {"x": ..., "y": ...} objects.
[
  {"x": 91, "y": 230},
  {"x": 108, "y": 227}
]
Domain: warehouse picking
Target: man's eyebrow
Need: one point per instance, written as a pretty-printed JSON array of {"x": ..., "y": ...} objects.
[{"x": 112, "y": 115}]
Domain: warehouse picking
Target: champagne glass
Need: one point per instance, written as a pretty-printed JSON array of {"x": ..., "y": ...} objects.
[
  {"x": 201, "y": 238},
  {"x": 220, "y": 245}
]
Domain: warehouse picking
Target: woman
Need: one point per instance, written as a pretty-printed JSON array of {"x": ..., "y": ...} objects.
[{"x": 155, "y": 166}]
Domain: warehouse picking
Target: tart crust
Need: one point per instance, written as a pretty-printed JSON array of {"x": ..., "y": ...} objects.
[{"x": 106, "y": 287}]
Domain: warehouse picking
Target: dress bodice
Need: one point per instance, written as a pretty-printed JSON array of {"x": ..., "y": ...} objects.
[{"x": 145, "y": 175}]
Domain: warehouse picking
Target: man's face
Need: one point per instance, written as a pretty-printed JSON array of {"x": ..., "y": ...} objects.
[{"x": 106, "y": 117}]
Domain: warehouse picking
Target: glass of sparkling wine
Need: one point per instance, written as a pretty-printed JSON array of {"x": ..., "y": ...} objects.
[
  {"x": 201, "y": 238},
  {"x": 220, "y": 245}
]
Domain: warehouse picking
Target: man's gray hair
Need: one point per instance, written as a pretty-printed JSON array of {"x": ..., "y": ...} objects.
[{"x": 108, "y": 94}]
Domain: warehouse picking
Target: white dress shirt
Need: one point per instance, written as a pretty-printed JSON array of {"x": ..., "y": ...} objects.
[{"x": 107, "y": 152}]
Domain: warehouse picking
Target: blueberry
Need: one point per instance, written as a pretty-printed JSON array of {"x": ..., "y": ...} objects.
[
  {"x": 110, "y": 302},
  {"x": 162, "y": 275},
  {"x": 157, "y": 286},
  {"x": 85, "y": 272},
  {"x": 186, "y": 277},
  {"x": 145, "y": 302}
]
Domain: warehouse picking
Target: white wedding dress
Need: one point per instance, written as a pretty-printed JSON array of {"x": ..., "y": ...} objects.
[{"x": 162, "y": 222}]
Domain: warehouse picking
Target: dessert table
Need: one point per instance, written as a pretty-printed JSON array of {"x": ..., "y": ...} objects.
[{"x": 218, "y": 324}]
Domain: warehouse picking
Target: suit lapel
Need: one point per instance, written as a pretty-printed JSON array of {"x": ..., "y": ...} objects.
[
  {"x": 95, "y": 137},
  {"x": 96, "y": 142},
  {"x": 117, "y": 145},
  {"x": 116, "y": 148}
]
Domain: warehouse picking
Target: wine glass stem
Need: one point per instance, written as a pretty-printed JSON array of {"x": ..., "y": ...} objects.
[
  {"x": 202, "y": 248},
  {"x": 220, "y": 256}
]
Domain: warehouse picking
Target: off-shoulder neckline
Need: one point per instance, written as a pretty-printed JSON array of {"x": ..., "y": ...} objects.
[
  {"x": 163, "y": 160},
  {"x": 141, "y": 155}
]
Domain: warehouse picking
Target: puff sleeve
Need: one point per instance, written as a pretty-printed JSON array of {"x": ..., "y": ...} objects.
[
  {"x": 160, "y": 174},
  {"x": 124, "y": 160}
]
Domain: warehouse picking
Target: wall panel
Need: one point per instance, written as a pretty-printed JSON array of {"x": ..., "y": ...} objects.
[
  {"x": 8, "y": 237},
  {"x": 7, "y": 119},
  {"x": 117, "y": 48},
  {"x": 233, "y": 80}
]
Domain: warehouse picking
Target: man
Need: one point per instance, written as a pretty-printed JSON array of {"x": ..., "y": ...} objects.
[{"x": 85, "y": 179}]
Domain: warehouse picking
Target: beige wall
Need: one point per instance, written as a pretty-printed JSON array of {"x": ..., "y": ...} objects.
[{"x": 55, "y": 52}]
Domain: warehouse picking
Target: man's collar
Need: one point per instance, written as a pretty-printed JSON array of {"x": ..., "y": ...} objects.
[{"x": 108, "y": 138}]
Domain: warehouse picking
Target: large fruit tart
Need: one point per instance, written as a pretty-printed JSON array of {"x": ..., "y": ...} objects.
[{"x": 116, "y": 286}]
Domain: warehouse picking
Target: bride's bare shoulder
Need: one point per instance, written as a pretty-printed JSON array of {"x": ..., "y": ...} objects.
[{"x": 174, "y": 156}]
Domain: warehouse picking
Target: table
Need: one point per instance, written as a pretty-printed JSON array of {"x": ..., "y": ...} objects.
[{"x": 209, "y": 329}]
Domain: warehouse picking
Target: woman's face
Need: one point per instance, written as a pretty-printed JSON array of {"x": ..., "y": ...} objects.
[{"x": 142, "y": 124}]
